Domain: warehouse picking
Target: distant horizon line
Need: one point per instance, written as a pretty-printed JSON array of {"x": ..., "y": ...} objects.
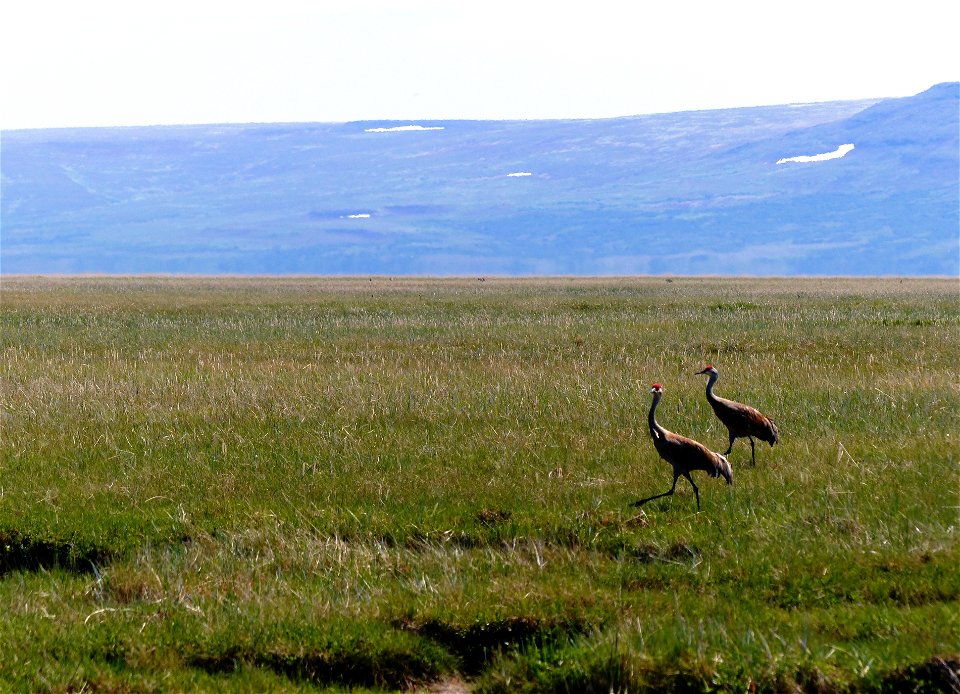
[
  {"x": 426, "y": 120},
  {"x": 468, "y": 276}
]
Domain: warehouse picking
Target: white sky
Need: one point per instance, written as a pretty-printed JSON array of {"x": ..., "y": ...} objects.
[{"x": 124, "y": 62}]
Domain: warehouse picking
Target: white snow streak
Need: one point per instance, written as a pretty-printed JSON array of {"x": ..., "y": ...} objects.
[
  {"x": 403, "y": 129},
  {"x": 836, "y": 154}
]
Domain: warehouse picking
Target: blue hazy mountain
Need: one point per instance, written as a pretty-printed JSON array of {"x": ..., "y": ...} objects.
[{"x": 684, "y": 193}]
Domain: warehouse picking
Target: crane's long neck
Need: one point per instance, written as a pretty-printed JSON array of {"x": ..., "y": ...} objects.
[
  {"x": 710, "y": 381},
  {"x": 656, "y": 431}
]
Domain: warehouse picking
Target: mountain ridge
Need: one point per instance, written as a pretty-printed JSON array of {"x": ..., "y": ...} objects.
[{"x": 695, "y": 192}]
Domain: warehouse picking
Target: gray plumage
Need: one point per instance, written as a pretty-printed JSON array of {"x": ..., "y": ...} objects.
[
  {"x": 684, "y": 454},
  {"x": 741, "y": 420}
]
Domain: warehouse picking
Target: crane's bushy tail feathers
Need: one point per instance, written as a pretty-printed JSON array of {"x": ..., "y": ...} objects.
[{"x": 724, "y": 469}]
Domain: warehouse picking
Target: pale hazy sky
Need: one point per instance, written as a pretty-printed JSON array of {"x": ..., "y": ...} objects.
[{"x": 123, "y": 62}]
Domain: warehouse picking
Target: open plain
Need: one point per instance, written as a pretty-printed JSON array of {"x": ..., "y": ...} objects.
[{"x": 239, "y": 484}]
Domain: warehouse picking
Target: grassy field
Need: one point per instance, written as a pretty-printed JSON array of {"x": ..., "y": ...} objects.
[{"x": 293, "y": 484}]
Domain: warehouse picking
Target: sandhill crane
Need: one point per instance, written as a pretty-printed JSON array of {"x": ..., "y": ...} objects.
[
  {"x": 741, "y": 420},
  {"x": 685, "y": 455}
]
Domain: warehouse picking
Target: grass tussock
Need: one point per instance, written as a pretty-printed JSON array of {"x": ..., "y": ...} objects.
[{"x": 291, "y": 484}]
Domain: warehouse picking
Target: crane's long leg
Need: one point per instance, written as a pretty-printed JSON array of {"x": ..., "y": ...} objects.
[
  {"x": 753, "y": 453},
  {"x": 676, "y": 476},
  {"x": 730, "y": 447},
  {"x": 696, "y": 491}
]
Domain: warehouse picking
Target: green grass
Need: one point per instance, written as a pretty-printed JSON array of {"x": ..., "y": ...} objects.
[{"x": 290, "y": 484}]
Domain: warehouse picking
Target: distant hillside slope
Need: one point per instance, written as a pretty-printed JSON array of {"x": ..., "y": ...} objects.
[{"x": 682, "y": 193}]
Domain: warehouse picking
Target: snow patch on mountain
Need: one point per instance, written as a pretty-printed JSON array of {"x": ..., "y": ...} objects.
[
  {"x": 404, "y": 129},
  {"x": 835, "y": 154}
]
